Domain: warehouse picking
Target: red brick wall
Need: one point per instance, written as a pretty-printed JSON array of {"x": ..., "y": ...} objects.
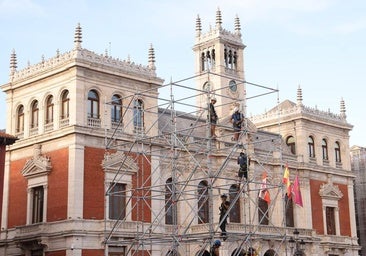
[
  {"x": 57, "y": 185},
  {"x": 17, "y": 210},
  {"x": 317, "y": 208},
  {"x": 142, "y": 180},
  {"x": 93, "y": 183},
  {"x": 90, "y": 252},
  {"x": 57, "y": 189},
  {"x": 2, "y": 166},
  {"x": 344, "y": 214},
  {"x": 56, "y": 253},
  {"x": 94, "y": 194}
]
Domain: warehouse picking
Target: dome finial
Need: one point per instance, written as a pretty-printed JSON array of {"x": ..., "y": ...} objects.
[
  {"x": 13, "y": 62},
  {"x": 198, "y": 26},
  {"x": 343, "y": 109},
  {"x": 237, "y": 26},
  {"x": 152, "y": 57},
  {"x": 78, "y": 37},
  {"x": 218, "y": 19},
  {"x": 299, "y": 96}
]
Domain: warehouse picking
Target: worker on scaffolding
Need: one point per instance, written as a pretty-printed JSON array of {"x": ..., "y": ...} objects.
[
  {"x": 223, "y": 215},
  {"x": 237, "y": 119},
  {"x": 213, "y": 117},
  {"x": 243, "y": 166},
  {"x": 214, "y": 250}
]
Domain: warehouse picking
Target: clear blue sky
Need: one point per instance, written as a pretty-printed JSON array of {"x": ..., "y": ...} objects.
[{"x": 319, "y": 45}]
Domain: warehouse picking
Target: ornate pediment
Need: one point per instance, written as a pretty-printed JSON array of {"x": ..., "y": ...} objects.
[
  {"x": 38, "y": 165},
  {"x": 330, "y": 191},
  {"x": 119, "y": 162}
]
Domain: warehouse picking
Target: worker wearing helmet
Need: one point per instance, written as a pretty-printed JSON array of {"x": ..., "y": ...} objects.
[{"x": 215, "y": 249}]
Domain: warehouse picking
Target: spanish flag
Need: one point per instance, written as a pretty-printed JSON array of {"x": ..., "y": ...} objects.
[{"x": 286, "y": 181}]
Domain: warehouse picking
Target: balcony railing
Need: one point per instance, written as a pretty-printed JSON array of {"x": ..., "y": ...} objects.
[{"x": 94, "y": 122}]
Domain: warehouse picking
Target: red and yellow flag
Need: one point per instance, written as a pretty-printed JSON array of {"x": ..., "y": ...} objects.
[
  {"x": 286, "y": 181},
  {"x": 263, "y": 192}
]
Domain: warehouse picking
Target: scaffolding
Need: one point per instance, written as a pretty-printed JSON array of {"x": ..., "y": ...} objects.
[{"x": 172, "y": 204}]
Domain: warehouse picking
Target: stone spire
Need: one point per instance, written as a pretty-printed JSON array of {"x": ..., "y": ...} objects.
[
  {"x": 299, "y": 96},
  {"x": 343, "y": 109},
  {"x": 237, "y": 26},
  {"x": 78, "y": 37},
  {"x": 198, "y": 26},
  {"x": 218, "y": 19},
  {"x": 152, "y": 58},
  {"x": 13, "y": 62}
]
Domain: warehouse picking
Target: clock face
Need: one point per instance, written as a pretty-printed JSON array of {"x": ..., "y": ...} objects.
[{"x": 232, "y": 86}]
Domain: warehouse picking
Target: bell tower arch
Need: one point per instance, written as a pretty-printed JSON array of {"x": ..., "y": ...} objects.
[{"x": 219, "y": 66}]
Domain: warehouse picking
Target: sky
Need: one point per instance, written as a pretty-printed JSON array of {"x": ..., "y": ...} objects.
[{"x": 318, "y": 45}]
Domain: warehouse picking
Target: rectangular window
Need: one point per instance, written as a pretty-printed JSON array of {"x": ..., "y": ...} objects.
[
  {"x": 37, "y": 204},
  {"x": 116, "y": 251},
  {"x": 263, "y": 216},
  {"x": 289, "y": 212},
  {"x": 38, "y": 252},
  {"x": 330, "y": 219},
  {"x": 117, "y": 202}
]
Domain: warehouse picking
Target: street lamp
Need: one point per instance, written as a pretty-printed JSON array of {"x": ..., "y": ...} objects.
[{"x": 297, "y": 244}]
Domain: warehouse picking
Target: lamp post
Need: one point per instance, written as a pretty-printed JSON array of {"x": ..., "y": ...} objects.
[{"x": 297, "y": 244}]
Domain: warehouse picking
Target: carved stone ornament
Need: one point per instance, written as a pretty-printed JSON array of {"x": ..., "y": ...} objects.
[
  {"x": 38, "y": 165},
  {"x": 330, "y": 191},
  {"x": 119, "y": 162}
]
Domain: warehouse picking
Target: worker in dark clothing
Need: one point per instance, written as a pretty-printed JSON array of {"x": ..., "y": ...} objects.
[
  {"x": 214, "y": 250},
  {"x": 243, "y": 166},
  {"x": 237, "y": 119},
  {"x": 213, "y": 118},
  {"x": 223, "y": 216}
]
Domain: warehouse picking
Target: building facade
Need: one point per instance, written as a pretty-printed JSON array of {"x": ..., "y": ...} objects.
[
  {"x": 102, "y": 167},
  {"x": 358, "y": 162}
]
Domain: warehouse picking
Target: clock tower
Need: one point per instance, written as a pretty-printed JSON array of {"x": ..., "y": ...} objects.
[{"x": 219, "y": 67}]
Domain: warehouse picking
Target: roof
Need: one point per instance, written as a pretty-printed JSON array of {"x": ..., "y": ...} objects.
[{"x": 6, "y": 139}]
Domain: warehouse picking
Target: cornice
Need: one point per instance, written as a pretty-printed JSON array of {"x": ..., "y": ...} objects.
[
  {"x": 82, "y": 57},
  {"x": 303, "y": 112}
]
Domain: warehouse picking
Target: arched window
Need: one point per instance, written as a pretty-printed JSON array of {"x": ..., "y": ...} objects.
[
  {"x": 49, "y": 110},
  {"x": 20, "y": 119},
  {"x": 206, "y": 87},
  {"x": 138, "y": 114},
  {"x": 290, "y": 142},
  {"x": 34, "y": 115},
  {"x": 235, "y": 210},
  {"x": 270, "y": 252},
  {"x": 203, "y": 202},
  {"x": 289, "y": 206},
  {"x": 170, "y": 206},
  {"x": 325, "y": 149},
  {"x": 65, "y": 104},
  {"x": 337, "y": 151},
  {"x": 235, "y": 60},
  {"x": 225, "y": 57},
  {"x": 311, "y": 146},
  {"x": 93, "y": 104},
  {"x": 116, "y": 111},
  {"x": 263, "y": 216},
  {"x": 172, "y": 253}
]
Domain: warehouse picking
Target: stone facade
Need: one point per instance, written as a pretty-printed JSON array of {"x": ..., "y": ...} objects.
[{"x": 358, "y": 163}]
